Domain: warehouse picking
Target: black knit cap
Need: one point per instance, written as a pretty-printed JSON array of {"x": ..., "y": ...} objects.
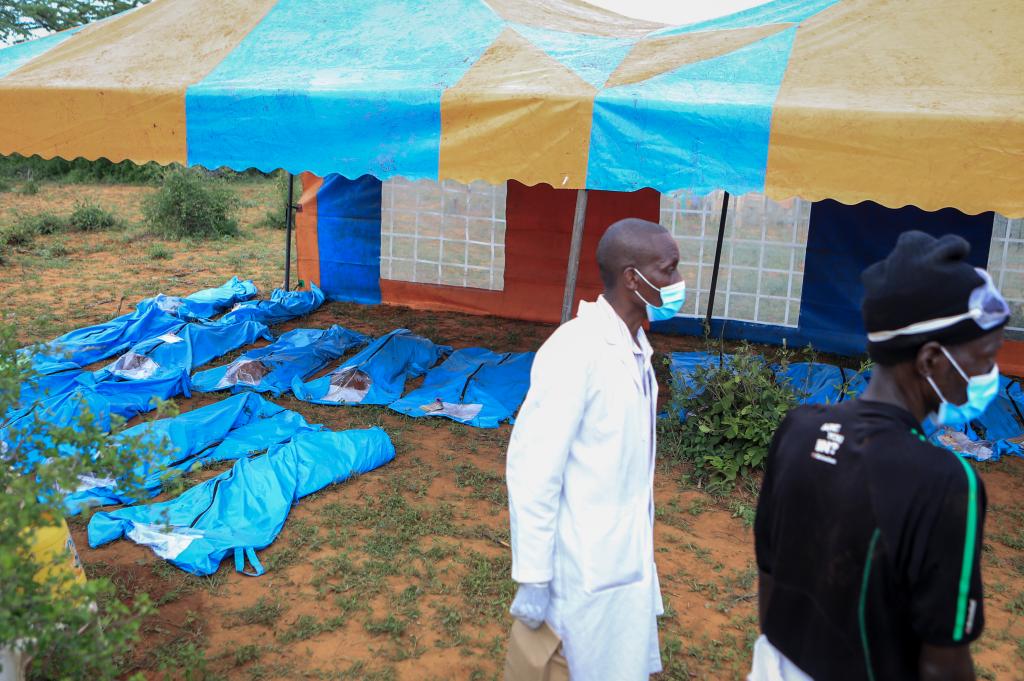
[{"x": 923, "y": 278}]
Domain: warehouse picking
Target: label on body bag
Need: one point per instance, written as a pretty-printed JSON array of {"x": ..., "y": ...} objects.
[{"x": 534, "y": 655}]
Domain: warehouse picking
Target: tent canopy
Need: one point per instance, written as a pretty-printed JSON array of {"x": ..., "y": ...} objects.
[{"x": 911, "y": 102}]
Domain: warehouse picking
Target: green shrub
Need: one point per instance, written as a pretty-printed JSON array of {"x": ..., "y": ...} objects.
[
  {"x": 192, "y": 204},
  {"x": 159, "y": 252},
  {"x": 733, "y": 408},
  {"x": 5, "y": 185},
  {"x": 30, "y": 187},
  {"x": 88, "y": 217},
  {"x": 50, "y": 614}
]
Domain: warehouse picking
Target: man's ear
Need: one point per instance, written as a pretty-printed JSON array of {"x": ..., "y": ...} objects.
[
  {"x": 929, "y": 358},
  {"x": 629, "y": 280}
]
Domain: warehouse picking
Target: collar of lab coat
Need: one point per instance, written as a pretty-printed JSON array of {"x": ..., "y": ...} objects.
[{"x": 616, "y": 333}]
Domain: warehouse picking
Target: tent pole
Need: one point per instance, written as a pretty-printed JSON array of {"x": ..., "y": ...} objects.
[
  {"x": 288, "y": 234},
  {"x": 718, "y": 262},
  {"x": 574, "y": 253}
]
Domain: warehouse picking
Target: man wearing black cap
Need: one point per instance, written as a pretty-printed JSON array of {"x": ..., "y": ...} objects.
[{"x": 868, "y": 538}]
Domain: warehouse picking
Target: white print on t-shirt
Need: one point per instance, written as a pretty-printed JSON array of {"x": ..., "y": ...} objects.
[
  {"x": 971, "y": 608},
  {"x": 826, "y": 447}
]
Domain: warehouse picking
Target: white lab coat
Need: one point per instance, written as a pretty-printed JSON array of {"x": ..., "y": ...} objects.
[{"x": 580, "y": 478}]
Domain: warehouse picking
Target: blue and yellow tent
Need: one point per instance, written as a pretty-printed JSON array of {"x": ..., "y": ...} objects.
[
  {"x": 906, "y": 103},
  {"x": 901, "y": 102}
]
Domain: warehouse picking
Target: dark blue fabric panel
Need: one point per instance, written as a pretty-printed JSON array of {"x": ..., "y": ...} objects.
[
  {"x": 843, "y": 240},
  {"x": 348, "y": 238}
]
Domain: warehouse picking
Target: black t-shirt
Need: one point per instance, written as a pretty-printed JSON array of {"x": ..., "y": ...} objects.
[{"x": 873, "y": 539}]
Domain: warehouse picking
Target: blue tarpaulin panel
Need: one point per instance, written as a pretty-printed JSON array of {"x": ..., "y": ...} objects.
[
  {"x": 298, "y": 353},
  {"x": 275, "y": 96},
  {"x": 151, "y": 317},
  {"x": 100, "y": 341},
  {"x": 474, "y": 386},
  {"x": 183, "y": 350},
  {"x": 233, "y": 428},
  {"x": 283, "y": 306},
  {"x": 375, "y": 375},
  {"x": 204, "y": 305},
  {"x": 243, "y": 509},
  {"x": 722, "y": 104},
  {"x": 348, "y": 238}
]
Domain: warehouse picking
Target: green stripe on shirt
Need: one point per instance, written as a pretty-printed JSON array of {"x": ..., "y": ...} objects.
[{"x": 970, "y": 539}]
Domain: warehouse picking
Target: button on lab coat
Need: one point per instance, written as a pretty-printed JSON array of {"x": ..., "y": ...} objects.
[{"x": 580, "y": 478}]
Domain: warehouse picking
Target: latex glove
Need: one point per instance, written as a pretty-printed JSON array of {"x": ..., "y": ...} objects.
[{"x": 530, "y": 605}]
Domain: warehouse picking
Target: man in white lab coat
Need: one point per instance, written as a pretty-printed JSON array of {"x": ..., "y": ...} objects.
[{"x": 581, "y": 467}]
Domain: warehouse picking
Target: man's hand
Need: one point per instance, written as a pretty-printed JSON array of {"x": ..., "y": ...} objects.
[{"x": 530, "y": 605}]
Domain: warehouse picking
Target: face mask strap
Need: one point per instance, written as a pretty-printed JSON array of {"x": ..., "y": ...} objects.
[
  {"x": 942, "y": 398},
  {"x": 641, "y": 275},
  {"x": 955, "y": 364}
]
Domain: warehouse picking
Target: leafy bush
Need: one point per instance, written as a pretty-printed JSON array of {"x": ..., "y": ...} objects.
[
  {"x": 67, "y": 629},
  {"x": 5, "y": 185},
  {"x": 88, "y": 217},
  {"x": 192, "y": 204},
  {"x": 30, "y": 187},
  {"x": 732, "y": 408}
]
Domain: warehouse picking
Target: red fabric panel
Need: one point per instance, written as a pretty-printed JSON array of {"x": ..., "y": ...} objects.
[
  {"x": 537, "y": 238},
  {"x": 1011, "y": 358}
]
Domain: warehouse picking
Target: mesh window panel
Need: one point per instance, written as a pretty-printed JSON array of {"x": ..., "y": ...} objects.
[
  {"x": 443, "y": 233},
  {"x": 1006, "y": 265},
  {"x": 761, "y": 274}
]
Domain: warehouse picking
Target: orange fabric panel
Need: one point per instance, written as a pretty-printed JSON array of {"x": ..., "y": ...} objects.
[
  {"x": 307, "y": 245},
  {"x": 517, "y": 113},
  {"x": 116, "y": 89},
  {"x": 537, "y": 239},
  {"x": 892, "y": 100},
  {"x": 1011, "y": 358}
]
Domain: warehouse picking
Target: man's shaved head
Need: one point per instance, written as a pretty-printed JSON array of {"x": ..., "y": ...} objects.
[{"x": 628, "y": 243}]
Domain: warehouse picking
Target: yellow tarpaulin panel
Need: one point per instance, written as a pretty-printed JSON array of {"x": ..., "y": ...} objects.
[
  {"x": 517, "y": 113},
  {"x": 145, "y": 59},
  {"x": 897, "y": 102}
]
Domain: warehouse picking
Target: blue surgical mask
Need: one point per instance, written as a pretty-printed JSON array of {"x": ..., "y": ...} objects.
[
  {"x": 981, "y": 390},
  {"x": 672, "y": 298}
]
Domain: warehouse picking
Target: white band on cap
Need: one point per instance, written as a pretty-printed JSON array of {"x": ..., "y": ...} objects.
[{"x": 923, "y": 327}]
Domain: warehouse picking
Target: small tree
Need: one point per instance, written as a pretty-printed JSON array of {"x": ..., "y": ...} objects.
[{"x": 67, "y": 629}]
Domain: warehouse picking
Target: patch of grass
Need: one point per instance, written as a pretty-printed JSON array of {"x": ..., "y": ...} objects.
[
  {"x": 486, "y": 485},
  {"x": 246, "y": 654},
  {"x": 265, "y": 612},
  {"x": 390, "y": 625},
  {"x": 744, "y": 511},
  {"x": 55, "y": 250},
  {"x": 307, "y": 626},
  {"x": 159, "y": 251},
  {"x": 1016, "y": 604},
  {"x": 29, "y": 187},
  {"x": 487, "y": 589}
]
